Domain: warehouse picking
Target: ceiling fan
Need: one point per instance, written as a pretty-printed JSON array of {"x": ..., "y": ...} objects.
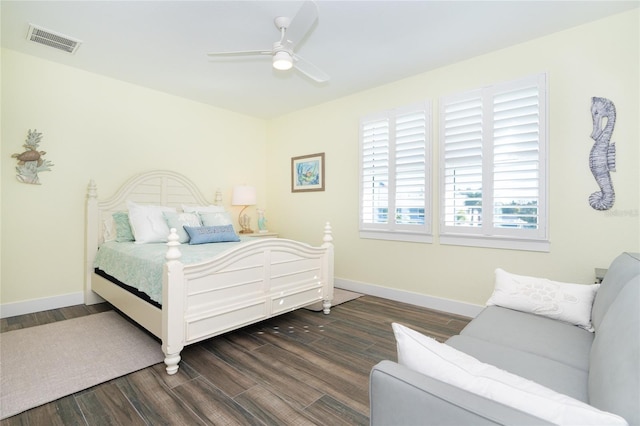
[{"x": 283, "y": 53}]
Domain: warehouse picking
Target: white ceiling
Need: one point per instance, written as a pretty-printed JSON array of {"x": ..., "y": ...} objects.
[{"x": 360, "y": 44}]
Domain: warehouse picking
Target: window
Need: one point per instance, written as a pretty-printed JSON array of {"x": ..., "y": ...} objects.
[
  {"x": 493, "y": 166},
  {"x": 395, "y": 179}
]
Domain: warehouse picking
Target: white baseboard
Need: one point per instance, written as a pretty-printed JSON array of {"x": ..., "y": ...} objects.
[
  {"x": 431, "y": 302},
  {"x": 37, "y": 305}
]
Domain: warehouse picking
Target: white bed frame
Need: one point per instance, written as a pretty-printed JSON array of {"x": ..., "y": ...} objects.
[{"x": 244, "y": 285}]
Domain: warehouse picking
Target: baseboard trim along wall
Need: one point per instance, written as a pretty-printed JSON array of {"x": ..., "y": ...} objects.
[
  {"x": 423, "y": 300},
  {"x": 38, "y": 305},
  {"x": 431, "y": 302}
]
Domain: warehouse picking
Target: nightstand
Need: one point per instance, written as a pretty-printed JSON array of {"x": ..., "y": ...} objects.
[{"x": 263, "y": 234}]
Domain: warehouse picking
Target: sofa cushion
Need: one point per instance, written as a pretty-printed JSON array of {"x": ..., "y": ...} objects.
[
  {"x": 427, "y": 356},
  {"x": 538, "y": 335},
  {"x": 614, "y": 376},
  {"x": 622, "y": 269},
  {"x": 555, "y": 375}
]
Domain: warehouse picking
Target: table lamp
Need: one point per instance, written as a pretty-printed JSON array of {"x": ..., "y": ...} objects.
[{"x": 244, "y": 195}]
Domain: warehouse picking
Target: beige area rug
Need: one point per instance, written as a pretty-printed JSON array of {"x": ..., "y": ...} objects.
[
  {"x": 339, "y": 296},
  {"x": 41, "y": 364}
]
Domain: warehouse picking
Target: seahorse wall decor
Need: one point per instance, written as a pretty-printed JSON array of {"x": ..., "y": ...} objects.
[
  {"x": 31, "y": 161},
  {"x": 602, "y": 159}
]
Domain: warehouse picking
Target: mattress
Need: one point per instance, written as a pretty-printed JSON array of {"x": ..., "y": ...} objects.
[{"x": 140, "y": 265}]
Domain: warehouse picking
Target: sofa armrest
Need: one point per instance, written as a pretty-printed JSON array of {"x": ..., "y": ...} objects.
[{"x": 400, "y": 396}]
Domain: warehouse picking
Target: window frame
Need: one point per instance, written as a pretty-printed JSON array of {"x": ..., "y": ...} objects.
[
  {"x": 488, "y": 235},
  {"x": 393, "y": 231}
]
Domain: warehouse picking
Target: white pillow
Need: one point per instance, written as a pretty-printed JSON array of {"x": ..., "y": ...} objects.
[
  {"x": 215, "y": 219},
  {"x": 202, "y": 209},
  {"x": 108, "y": 229},
  {"x": 562, "y": 301},
  {"x": 147, "y": 222},
  {"x": 442, "y": 362}
]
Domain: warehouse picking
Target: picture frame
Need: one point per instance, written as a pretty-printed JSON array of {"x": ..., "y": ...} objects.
[{"x": 307, "y": 173}]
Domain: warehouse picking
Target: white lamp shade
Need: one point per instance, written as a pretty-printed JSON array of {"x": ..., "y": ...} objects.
[
  {"x": 243, "y": 195},
  {"x": 282, "y": 61}
]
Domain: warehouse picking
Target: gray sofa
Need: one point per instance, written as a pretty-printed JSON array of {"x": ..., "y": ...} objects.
[{"x": 601, "y": 368}]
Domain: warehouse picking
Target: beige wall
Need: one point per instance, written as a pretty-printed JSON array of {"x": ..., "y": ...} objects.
[
  {"x": 99, "y": 128},
  {"x": 598, "y": 59},
  {"x": 103, "y": 129}
]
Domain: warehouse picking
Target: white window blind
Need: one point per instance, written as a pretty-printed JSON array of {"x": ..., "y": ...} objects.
[
  {"x": 493, "y": 155},
  {"x": 462, "y": 165},
  {"x": 516, "y": 159},
  {"x": 375, "y": 171},
  {"x": 394, "y": 172}
]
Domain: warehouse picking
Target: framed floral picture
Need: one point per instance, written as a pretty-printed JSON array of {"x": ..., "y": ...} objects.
[{"x": 307, "y": 173}]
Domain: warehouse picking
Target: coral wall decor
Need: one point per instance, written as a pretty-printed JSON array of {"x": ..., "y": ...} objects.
[
  {"x": 31, "y": 161},
  {"x": 602, "y": 159}
]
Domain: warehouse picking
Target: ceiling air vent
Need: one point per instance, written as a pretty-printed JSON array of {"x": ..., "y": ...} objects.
[{"x": 52, "y": 39}]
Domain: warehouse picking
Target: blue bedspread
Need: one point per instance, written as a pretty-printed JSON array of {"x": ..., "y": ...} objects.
[{"x": 140, "y": 265}]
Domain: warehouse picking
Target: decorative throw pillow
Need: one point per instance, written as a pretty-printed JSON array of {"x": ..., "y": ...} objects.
[
  {"x": 108, "y": 229},
  {"x": 211, "y": 234},
  {"x": 202, "y": 209},
  {"x": 147, "y": 223},
  {"x": 567, "y": 302},
  {"x": 123, "y": 228},
  {"x": 445, "y": 363},
  {"x": 179, "y": 220},
  {"x": 215, "y": 219}
]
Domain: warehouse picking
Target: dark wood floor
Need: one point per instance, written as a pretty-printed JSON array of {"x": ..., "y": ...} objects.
[{"x": 300, "y": 368}]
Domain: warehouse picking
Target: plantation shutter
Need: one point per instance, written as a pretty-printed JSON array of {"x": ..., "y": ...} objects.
[
  {"x": 410, "y": 168},
  {"x": 394, "y": 174},
  {"x": 375, "y": 171},
  {"x": 516, "y": 158},
  {"x": 462, "y": 161},
  {"x": 493, "y": 173}
]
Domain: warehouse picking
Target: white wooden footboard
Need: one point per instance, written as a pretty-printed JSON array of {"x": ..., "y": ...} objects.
[{"x": 250, "y": 283}]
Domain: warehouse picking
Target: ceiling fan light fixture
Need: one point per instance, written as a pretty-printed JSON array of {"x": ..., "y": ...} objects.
[{"x": 282, "y": 61}]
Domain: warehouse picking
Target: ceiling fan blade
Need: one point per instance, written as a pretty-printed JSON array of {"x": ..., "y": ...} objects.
[
  {"x": 301, "y": 24},
  {"x": 241, "y": 53},
  {"x": 310, "y": 70}
]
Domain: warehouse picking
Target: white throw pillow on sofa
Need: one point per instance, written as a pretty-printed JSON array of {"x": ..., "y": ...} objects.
[
  {"x": 447, "y": 364},
  {"x": 567, "y": 302}
]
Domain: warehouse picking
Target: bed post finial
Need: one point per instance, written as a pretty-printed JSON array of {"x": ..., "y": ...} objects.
[
  {"x": 328, "y": 237},
  {"x": 173, "y": 253},
  {"x": 217, "y": 201},
  {"x": 92, "y": 189}
]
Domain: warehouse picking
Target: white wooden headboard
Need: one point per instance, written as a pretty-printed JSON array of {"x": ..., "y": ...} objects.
[{"x": 157, "y": 187}]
